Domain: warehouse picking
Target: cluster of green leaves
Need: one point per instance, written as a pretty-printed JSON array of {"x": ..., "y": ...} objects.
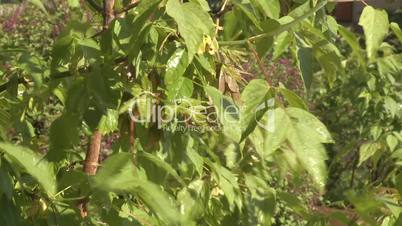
[
  {"x": 363, "y": 111},
  {"x": 170, "y": 51}
]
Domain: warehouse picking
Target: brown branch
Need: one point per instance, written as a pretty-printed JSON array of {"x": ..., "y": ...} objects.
[
  {"x": 117, "y": 13},
  {"x": 132, "y": 132},
  {"x": 132, "y": 5},
  {"x": 90, "y": 166},
  {"x": 260, "y": 64},
  {"x": 108, "y": 13},
  {"x": 92, "y": 155}
]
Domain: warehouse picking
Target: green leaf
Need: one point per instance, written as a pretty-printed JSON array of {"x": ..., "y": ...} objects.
[
  {"x": 227, "y": 113},
  {"x": 137, "y": 40},
  {"x": 108, "y": 177},
  {"x": 138, "y": 29},
  {"x": 109, "y": 122},
  {"x": 227, "y": 181},
  {"x": 190, "y": 199},
  {"x": 391, "y": 106},
  {"x": 353, "y": 42},
  {"x": 316, "y": 128},
  {"x": 303, "y": 132},
  {"x": 293, "y": 99},
  {"x": 6, "y": 184},
  {"x": 104, "y": 86},
  {"x": 270, "y": 133},
  {"x": 194, "y": 157},
  {"x": 330, "y": 62},
  {"x": 375, "y": 25},
  {"x": 117, "y": 174},
  {"x": 399, "y": 183},
  {"x": 193, "y": 23},
  {"x": 390, "y": 66},
  {"x": 271, "y": 8},
  {"x": 264, "y": 44},
  {"x": 294, "y": 203},
  {"x": 365, "y": 202},
  {"x": 253, "y": 100},
  {"x": 305, "y": 138},
  {"x": 64, "y": 133},
  {"x": 72, "y": 178},
  {"x": 203, "y": 4},
  {"x": 306, "y": 65},
  {"x": 177, "y": 85},
  {"x": 90, "y": 48},
  {"x": 10, "y": 214},
  {"x": 392, "y": 142},
  {"x": 33, "y": 164},
  {"x": 5, "y": 118},
  {"x": 73, "y": 3},
  {"x": 367, "y": 150},
  {"x": 176, "y": 66},
  {"x": 248, "y": 13},
  {"x": 182, "y": 88},
  {"x": 333, "y": 26},
  {"x": 281, "y": 43},
  {"x": 164, "y": 165},
  {"x": 32, "y": 66},
  {"x": 397, "y": 30}
]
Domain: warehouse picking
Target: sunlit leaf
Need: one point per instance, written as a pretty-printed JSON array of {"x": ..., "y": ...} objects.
[
  {"x": 118, "y": 174},
  {"x": 193, "y": 23},
  {"x": 375, "y": 25},
  {"x": 33, "y": 164}
]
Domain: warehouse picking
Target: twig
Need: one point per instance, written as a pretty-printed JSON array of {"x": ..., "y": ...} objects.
[
  {"x": 127, "y": 8},
  {"x": 90, "y": 166},
  {"x": 132, "y": 132},
  {"x": 364, "y": 2},
  {"x": 224, "y": 9},
  {"x": 117, "y": 13},
  {"x": 108, "y": 13},
  {"x": 92, "y": 155},
  {"x": 260, "y": 63},
  {"x": 279, "y": 30}
]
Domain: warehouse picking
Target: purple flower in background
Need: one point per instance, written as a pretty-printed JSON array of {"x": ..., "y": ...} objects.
[
  {"x": 12, "y": 22},
  {"x": 284, "y": 61}
]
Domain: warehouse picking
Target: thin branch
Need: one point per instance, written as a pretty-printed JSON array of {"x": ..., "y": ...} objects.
[
  {"x": 364, "y": 2},
  {"x": 279, "y": 30},
  {"x": 108, "y": 13},
  {"x": 260, "y": 63},
  {"x": 117, "y": 13},
  {"x": 92, "y": 155},
  {"x": 127, "y": 8},
  {"x": 132, "y": 132}
]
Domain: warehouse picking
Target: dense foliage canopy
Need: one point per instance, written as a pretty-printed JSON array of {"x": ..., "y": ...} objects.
[{"x": 218, "y": 112}]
